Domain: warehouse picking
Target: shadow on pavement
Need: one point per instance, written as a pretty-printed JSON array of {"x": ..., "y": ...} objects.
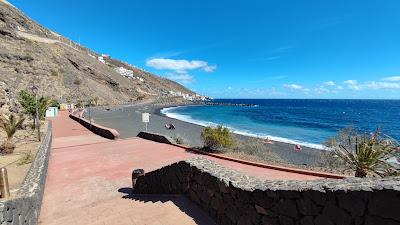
[{"x": 184, "y": 204}]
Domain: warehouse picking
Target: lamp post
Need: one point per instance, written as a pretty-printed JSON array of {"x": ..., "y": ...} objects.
[{"x": 34, "y": 91}]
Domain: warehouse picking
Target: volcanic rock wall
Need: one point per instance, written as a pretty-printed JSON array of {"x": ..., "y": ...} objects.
[{"x": 234, "y": 198}]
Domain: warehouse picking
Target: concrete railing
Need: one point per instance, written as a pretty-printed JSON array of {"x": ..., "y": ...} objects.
[
  {"x": 234, "y": 198},
  {"x": 25, "y": 207},
  {"x": 95, "y": 128}
]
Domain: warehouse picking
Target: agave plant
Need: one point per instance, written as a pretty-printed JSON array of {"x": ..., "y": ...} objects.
[
  {"x": 368, "y": 154},
  {"x": 10, "y": 124}
]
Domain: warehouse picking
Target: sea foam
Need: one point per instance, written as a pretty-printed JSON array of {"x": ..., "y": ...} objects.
[{"x": 186, "y": 118}]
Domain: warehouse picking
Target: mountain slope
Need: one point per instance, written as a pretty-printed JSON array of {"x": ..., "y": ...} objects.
[{"x": 31, "y": 54}]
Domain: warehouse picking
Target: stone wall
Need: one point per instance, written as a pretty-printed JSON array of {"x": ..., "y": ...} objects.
[
  {"x": 234, "y": 198},
  {"x": 25, "y": 208},
  {"x": 95, "y": 128}
]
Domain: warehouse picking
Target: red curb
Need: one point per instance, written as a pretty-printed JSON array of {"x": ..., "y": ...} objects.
[
  {"x": 261, "y": 165},
  {"x": 267, "y": 166}
]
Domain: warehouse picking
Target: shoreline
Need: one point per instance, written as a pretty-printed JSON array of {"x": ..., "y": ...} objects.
[
  {"x": 127, "y": 120},
  {"x": 237, "y": 131}
]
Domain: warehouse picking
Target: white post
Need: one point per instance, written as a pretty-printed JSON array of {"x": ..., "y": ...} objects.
[{"x": 145, "y": 119}]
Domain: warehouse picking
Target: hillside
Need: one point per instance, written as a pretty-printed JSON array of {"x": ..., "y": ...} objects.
[{"x": 31, "y": 54}]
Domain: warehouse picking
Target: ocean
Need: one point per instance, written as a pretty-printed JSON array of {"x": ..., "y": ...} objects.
[{"x": 306, "y": 122}]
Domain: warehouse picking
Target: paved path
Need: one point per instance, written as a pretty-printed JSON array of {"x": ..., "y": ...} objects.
[{"x": 88, "y": 180}]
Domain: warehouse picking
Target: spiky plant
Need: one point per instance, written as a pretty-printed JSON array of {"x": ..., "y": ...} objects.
[
  {"x": 367, "y": 154},
  {"x": 43, "y": 104},
  {"x": 10, "y": 124}
]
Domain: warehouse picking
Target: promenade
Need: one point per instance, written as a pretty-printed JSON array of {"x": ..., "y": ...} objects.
[{"x": 89, "y": 181}]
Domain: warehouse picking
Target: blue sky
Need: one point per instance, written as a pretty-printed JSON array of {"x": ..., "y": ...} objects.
[{"x": 244, "y": 49}]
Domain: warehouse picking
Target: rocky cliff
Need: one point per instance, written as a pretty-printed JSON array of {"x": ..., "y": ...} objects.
[{"x": 62, "y": 69}]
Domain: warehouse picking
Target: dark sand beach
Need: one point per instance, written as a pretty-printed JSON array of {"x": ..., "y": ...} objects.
[{"x": 128, "y": 121}]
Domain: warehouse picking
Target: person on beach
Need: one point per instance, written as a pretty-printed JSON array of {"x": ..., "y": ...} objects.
[
  {"x": 297, "y": 148},
  {"x": 267, "y": 141},
  {"x": 170, "y": 126}
]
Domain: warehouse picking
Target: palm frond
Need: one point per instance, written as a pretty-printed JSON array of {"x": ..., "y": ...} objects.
[{"x": 367, "y": 154}]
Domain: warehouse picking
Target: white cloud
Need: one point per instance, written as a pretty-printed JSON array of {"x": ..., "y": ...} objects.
[
  {"x": 210, "y": 69},
  {"x": 329, "y": 83},
  {"x": 279, "y": 77},
  {"x": 381, "y": 85},
  {"x": 272, "y": 58},
  {"x": 182, "y": 78},
  {"x": 322, "y": 90},
  {"x": 180, "y": 65},
  {"x": 394, "y": 78},
  {"x": 283, "y": 49},
  {"x": 352, "y": 84},
  {"x": 293, "y": 86}
]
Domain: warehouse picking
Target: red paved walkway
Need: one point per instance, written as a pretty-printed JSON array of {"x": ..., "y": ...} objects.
[{"x": 88, "y": 177}]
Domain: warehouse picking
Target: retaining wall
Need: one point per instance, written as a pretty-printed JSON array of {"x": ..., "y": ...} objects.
[
  {"x": 25, "y": 208},
  {"x": 95, "y": 128},
  {"x": 234, "y": 198},
  {"x": 155, "y": 137}
]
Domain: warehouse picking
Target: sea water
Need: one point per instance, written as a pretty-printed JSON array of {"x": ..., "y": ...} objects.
[{"x": 307, "y": 122}]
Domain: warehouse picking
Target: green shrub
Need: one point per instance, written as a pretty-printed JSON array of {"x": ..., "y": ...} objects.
[
  {"x": 54, "y": 73},
  {"x": 55, "y": 103},
  {"x": 140, "y": 97},
  {"x": 77, "y": 82},
  {"x": 26, "y": 158},
  {"x": 28, "y": 103},
  {"x": 179, "y": 140},
  {"x": 10, "y": 124},
  {"x": 217, "y": 138}
]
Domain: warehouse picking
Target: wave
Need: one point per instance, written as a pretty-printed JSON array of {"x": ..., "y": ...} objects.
[{"x": 168, "y": 112}]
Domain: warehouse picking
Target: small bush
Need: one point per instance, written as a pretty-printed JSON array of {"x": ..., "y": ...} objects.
[
  {"x": 25, "y": 159},
  {"x": 141, "y": 97},
  {"x": 77, "y": 82},
  {"x": 7, "y": 147},
  {"x": 331, "y": 161},
  {"x": 179, "y": 140},
  {"x": 54, "y": 103},
  {"x": 54, "y": 73},
  {"x": 217, "y": 138},
  {"x": 32, "y": 125},
  {"x": 255, "y": 147}
]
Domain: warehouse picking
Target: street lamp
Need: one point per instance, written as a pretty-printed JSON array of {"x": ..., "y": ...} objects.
[{"x": 34, "y": 91}]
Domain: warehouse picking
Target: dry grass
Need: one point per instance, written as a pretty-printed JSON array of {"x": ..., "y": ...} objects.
[
  {"x": 19, "y": 162},
  {"x": 26, "y": 158},
  {"x": 256, "y": 149}
]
